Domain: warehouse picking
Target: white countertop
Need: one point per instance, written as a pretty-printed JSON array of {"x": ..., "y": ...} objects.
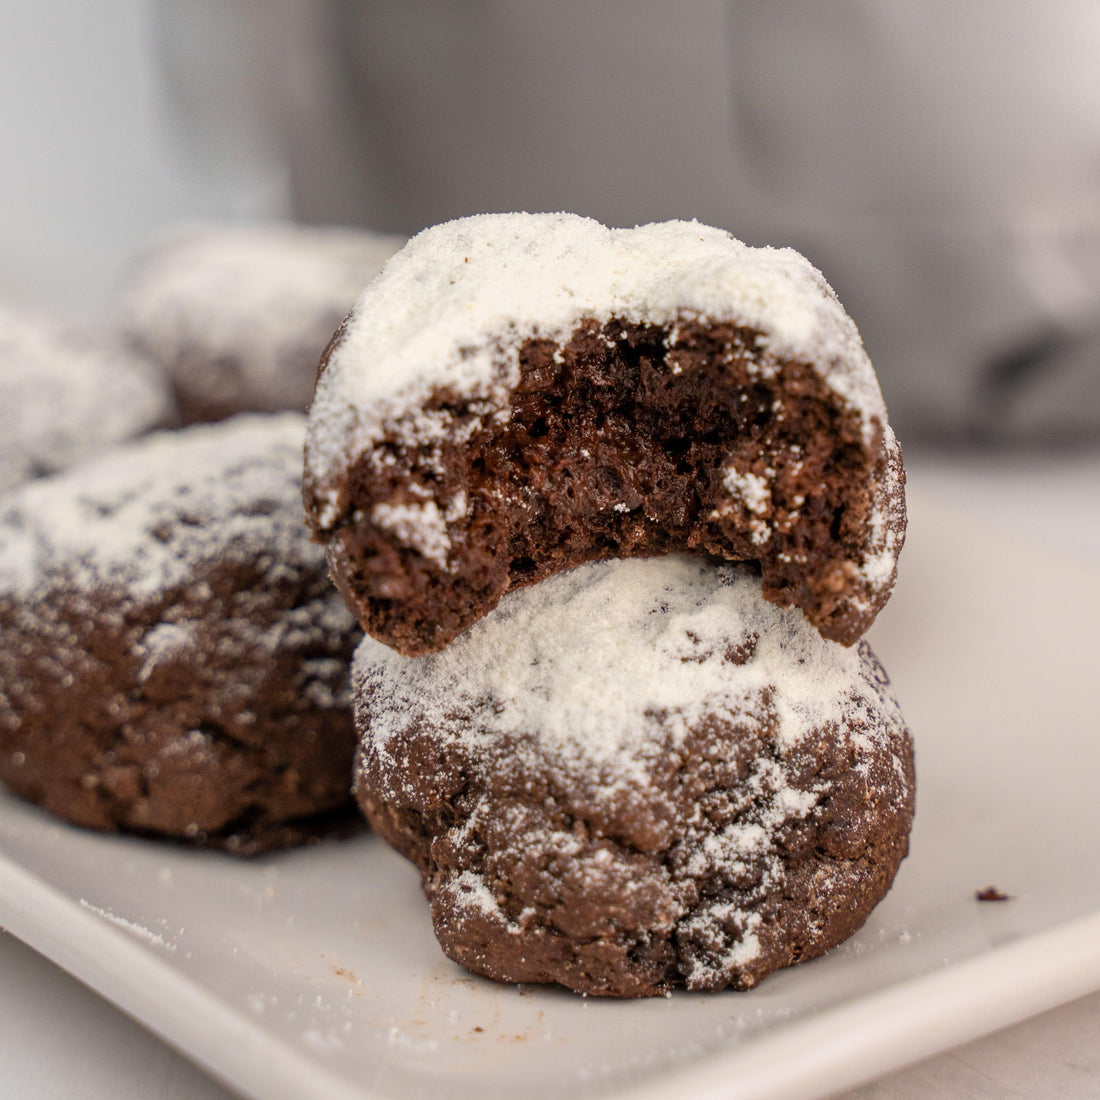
[{"x": 58, "y": 1039}]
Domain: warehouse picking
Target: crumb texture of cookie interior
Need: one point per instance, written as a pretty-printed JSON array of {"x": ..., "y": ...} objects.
[
  {"x": 173, "y": 657},
  {"x": 239, "y": 314},
  {"x": 518, "y": 394},
  {"x": 638, "y": 776},
  {"x": 65, "y": 395}
]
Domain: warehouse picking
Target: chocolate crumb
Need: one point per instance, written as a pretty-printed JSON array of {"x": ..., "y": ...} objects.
[{"x": 991, "y": 893}]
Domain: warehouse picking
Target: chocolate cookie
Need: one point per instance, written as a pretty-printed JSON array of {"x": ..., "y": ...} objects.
[
  {"x": 173, "y": 658},
  {"x": 638, "y": 776},
  {"x": 65, "y": 395},
  {"x": 521, "y": 393},
  {"x": 239, "y": 315}
]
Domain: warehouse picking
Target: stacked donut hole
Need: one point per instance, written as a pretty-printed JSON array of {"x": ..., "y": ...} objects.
[
  {"x": 173, "y": 658},
  {"x": 615, "y": 523}
]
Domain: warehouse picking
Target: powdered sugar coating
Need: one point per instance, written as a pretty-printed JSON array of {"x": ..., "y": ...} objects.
[
  {"x": 64, "y": 396},
  {"x": 141, "y": 516},
  {"x": 887, "y": 527},
  {"x": 240, "y": 314},
  {"x": 676, "y": 735},
  {"x": 491, "y": 281},
  {"x": 663, "y": 625}
]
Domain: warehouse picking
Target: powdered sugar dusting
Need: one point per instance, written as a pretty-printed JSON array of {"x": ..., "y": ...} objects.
[
  {"x": 265, "y": 297},
  {"x": 64, "y": 396},
  {"x": 600, "y": 677},
  {"x": 162, "y": 644},
  {"x": 419, "y": 525},
  {"x": 753, "y": 491},
  {"x": 887, "y": 532},
  {"x": 754, "y": 494},
  {"x": 141, "y": 516},
  {"x": 663, "y": 626},
  {"x": 491, "y": 281},
  {"x": 470, "y": 891},
  {"x": 130, "y": 926}
]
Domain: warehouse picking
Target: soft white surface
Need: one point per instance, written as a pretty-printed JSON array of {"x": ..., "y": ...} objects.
[
  {"x": 960, "y": 669},
  {"x": 490, "y": 281},
  {"x": 661, "y": 628},
  {"x": 1054, "y": 1055},
  {"x": 58, "y": 1038}
]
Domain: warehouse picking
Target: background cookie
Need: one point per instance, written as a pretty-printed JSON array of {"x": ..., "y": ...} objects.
[
  {"x": 173, "y": 658},
  {"x": 637, "y": 776},
  {"x": 65, "y": 395},
  {"x": 239, "y": 315},
  {"x": 583, "y": 393}
]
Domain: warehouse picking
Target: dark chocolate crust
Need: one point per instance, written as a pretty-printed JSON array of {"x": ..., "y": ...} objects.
[
  {"x": 534, "y": 875},
  {"x": 221, "y": 743},
  {"x": 616, "y": 446},
  {"x": 207, "y": 702},
  {"x": 207, "y": 390}
]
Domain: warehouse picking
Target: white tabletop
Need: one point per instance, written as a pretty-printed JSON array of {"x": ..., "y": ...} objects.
[{"x": 58, "y": 1039}]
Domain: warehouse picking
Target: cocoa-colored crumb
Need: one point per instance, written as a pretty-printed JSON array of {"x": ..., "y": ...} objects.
[{"x": 616, "y": 446}]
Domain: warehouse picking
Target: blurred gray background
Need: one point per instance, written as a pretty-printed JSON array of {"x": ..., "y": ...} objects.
[{"x": 939, "y": 160}]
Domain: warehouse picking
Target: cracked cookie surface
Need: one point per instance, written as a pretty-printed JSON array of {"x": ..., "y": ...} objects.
[
  {"x": 173, "y": 658},
  {"x": 638, "y": 776}
]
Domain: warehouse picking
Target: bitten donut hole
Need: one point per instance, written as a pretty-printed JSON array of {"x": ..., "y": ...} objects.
[
  {"x": 624, "y": 440},
  {"x": 542, "y": 388}
]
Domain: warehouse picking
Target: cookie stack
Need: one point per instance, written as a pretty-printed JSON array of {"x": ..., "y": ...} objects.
[{"x": 623, "y": 776}]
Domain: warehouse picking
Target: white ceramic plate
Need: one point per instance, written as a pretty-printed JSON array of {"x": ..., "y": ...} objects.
[{"x": 315, "y": 973}]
